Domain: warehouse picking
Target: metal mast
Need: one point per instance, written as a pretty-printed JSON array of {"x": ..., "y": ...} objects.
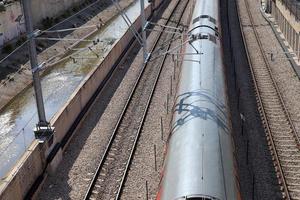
[
  {"x": 42, "y": 127},
  {"x": 143, "y": 18}
]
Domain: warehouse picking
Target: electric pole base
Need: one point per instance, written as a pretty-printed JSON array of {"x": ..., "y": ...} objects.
[{"x": 43, "y": 133}]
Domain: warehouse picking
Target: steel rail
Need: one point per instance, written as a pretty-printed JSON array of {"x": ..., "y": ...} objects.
[
  {"x": 146, "y": 111},
  {"x": 271, "y": 75},
  {"x": 118, "y": 124},
  {"x": 262, "y": 111}
]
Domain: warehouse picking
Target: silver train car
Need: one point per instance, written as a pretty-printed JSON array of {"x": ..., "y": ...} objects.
[{"x": 199, "y": 162}]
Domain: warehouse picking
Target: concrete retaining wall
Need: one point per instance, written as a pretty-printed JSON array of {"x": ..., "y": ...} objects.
[
  {"x": 64, "y": 119},
  {"x": 51, "y": 8},
  {"x": 288, "y": 25},
  {"x": 34, "y": 162},
  {"x": 12, "y": 23},
  {"x": 24, "y": 174}
]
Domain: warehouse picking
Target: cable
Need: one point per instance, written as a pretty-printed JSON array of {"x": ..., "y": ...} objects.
[
  {"x": 12, "y": 76},
  {"x": 173, "y": 49},
  {"x": 68, "y": 18},
  {"x": 56, "y": 39},
  {"x": 68, "y": 57},
  {"x": 13, "y": 51},
  {"x": 166, "y": 43},
  {"x": 22, "y": 68},
  {"x": 169, "y": 32},
  {"x": 128, "y": 22},
  {"x": 49, "y": 29},
  {"x": 164, "y": 26},
  {"x": 72, "y": 29},
  {"x": 34, "y": 114},
  {"x": 66, "y": 39},
  {"x": 63, "y": 30},
  {"x": 22, "y": 129}
]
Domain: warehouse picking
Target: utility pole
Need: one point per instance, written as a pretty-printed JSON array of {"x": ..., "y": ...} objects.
[
  {"x": 43, "y": 128},
  {"x": 145, "y": 53}
]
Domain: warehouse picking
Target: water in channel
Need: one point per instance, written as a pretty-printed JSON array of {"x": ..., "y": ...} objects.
[{"x": 18, "y": 119}]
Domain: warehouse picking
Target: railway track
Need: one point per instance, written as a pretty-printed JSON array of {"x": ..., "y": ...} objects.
[
  {"x": 283, "y": 140},
  {"x": 111, "y": 173}
]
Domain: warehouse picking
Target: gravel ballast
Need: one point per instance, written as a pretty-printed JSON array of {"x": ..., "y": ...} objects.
[
  {"x": 87, "y": 146},
  {"x": 143, "y": 167},
  {"x": 254, "y": 164},
  {"x": 288, "y": 85}
]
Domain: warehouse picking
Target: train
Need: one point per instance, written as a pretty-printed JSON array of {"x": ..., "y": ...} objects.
[{"x": 199, "y": 161}]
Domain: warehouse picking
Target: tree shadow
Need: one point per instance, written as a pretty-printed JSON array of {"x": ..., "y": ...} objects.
[{"x": 199, "y": 104}]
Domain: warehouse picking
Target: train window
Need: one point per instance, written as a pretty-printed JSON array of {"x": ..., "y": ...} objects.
[
  {"x": 217, "y": 31},
  {"x": 203, "y": 37},
  {"x": 212, "y": 20},
  {"x": 213, "y": 38},
  {"x": 204, "y": 16},
  {"x": 195, "y": 20},
  {"x": 198, "y": 197}
]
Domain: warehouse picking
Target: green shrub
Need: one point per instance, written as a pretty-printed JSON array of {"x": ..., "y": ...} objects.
[
  {"x": 47, "y": 22},
  {"x": 2, "y": 8},
  {"x": 8, "y": 48},
  {"x": 75, "y": 9},
  {"x": 41, "y": 44},
  {"x": 66, "y": 14},
  {"x": 20, "y": 41},
  {"x": 56, "y": 20}
]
